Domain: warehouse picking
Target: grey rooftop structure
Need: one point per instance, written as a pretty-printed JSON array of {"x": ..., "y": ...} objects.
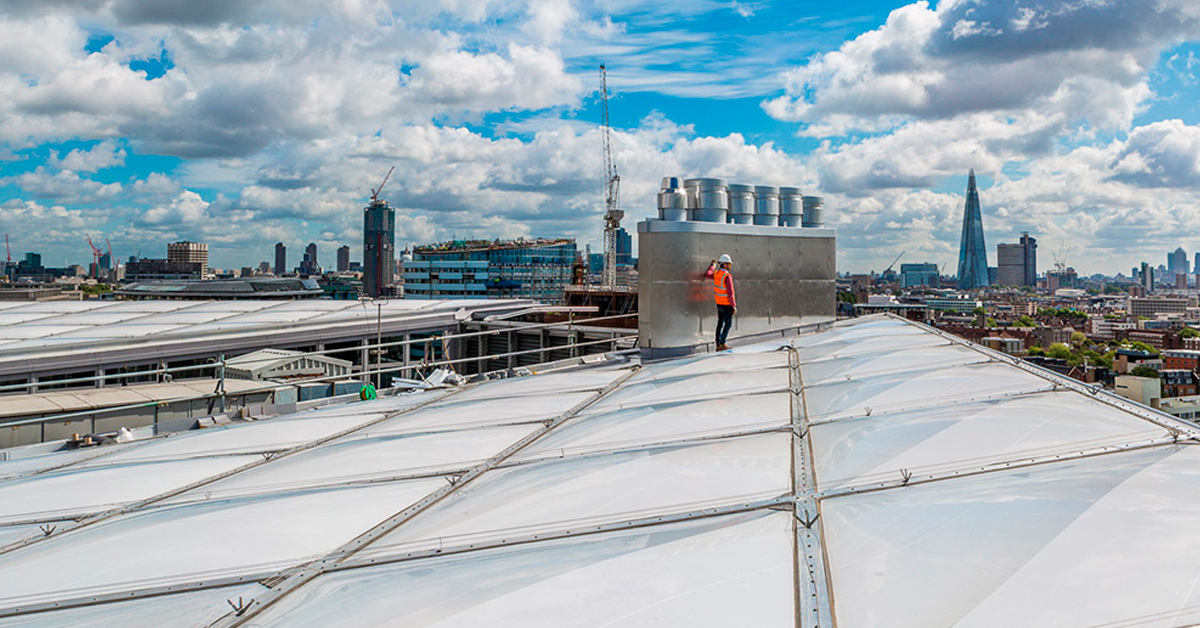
[
  {"x": 870, "y": 473},
  {"x": 243, "y": 288},
  {"x": 98, "y": 338},
  {"x": 280, "y": 364}
]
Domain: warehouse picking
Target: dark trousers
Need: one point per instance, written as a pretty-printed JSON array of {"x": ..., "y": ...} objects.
[{"x": 724, "y": 322}]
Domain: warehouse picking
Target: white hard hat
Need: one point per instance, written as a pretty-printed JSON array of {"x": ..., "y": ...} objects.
[{"x": 724, "y": 259}]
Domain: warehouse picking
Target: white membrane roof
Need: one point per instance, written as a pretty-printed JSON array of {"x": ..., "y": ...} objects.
[
  {"x": 30, "y": 328},
  {"x": 875, "y": 473}
]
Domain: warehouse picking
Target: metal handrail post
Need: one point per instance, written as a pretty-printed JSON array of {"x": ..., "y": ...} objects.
[
  {"x": 378, "y": 344},
  {"x": 221, "y": 381}
]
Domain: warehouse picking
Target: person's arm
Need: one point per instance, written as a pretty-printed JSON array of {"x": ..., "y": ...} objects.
[
  {"x": 729, "y": 288},
  {"x": 712, "y": 268}
]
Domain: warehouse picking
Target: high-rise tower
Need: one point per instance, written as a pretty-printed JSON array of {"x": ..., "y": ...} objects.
[
  {"x": 1177, "y": 262},
  {"x": 379, "y": 244},
  {"x": 1017, "y": 263},
  {"x": 972, "y": 253}
]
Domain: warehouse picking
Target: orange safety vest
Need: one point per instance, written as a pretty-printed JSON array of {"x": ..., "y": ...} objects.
[{"x": 720, "y": 291}]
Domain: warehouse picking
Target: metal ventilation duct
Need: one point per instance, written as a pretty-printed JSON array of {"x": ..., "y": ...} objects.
[
  {"x": 716, "y": 200},
  {"x": 672, "y": 202},
  {"x": 766, "y": 205},
  {"x": 741, "y": 204},
  {"x": 814, "y": 211},
  {"x": 708, "y": 199},
  {"x": 791, "y": 207}
]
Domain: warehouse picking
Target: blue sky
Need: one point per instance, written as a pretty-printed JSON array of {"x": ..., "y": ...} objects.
[{"x": 245, "y": 122}]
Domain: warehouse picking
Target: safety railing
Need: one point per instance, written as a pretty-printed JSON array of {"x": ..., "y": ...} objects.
[
  {"x": 163, "y": 374},
  {"x": 218, "y": 398}
]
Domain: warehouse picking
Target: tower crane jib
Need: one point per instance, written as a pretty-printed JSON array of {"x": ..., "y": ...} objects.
[
  {"x": 375, "y": 191},
  {"x": 612, "y": 191}
]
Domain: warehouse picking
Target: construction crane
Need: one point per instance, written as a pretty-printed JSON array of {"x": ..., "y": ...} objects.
[
  {"x": 375, "y": 191},
  {"x": 7, "y": 250},
  {"x": 889, "y": 268},
  {"x": 887, "y": 273},
  {"x": 1060, "y": 258},
  {"x": 96, "y": 253},
  {"x": 612, "y": 191}
]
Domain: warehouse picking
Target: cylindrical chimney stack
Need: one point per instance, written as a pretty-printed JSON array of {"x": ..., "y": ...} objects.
[
  {"x": 766, "y": 205},
  {"x": 791, "y": 207},
  {"x": 672, "y": 202},
  {"x": 708, "y": 199},
  {"x": 741, "y": 204},
  {"x": 814, "y": 211}
]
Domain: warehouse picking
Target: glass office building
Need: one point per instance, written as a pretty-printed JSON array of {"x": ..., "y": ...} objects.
[{"x": 532, "y": 269}]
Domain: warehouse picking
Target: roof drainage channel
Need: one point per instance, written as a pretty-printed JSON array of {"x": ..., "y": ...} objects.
[{"x": 814, "y": 601}]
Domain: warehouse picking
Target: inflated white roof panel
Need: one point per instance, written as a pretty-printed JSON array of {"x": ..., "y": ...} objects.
[{"x": 871, "y": 473}]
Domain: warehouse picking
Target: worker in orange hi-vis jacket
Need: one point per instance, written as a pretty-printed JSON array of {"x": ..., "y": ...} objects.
[{"x": 724, "y": 295}]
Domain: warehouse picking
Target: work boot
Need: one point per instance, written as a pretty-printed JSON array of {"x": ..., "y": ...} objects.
[{"x": 722, "y": 347}]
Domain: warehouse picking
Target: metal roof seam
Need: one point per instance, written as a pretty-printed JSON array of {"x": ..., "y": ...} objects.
[
  {"x": 132, "y": 594},
  {"x": 846, "y": 377},
  {"x": 142, "y": 315},
  {"x": 838, "y": 356},
  {"x": 934, "y": 402},
  {"x": 590, "y": 510},
  {"x": 103, "y": 516},
  {"x": 99, "y": 453},
  {"x": 959, "y": 464},
  {"x": 813, "y": 592},
  {"x": 647, "y": 446},
  {"x": 875, "y": 412},
  {"x": 1112, "y": 399},
  {"x": 288, "y": 581},
  {"x": 501, "y": 540},
  {"x": 907, "y": 478},
  {"x": 478, "y": 546}
]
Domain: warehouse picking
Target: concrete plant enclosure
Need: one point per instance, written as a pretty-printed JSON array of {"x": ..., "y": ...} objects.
[{"x": 784, "y": 278}]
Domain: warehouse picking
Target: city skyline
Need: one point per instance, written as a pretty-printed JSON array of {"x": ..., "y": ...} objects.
[{"x": 246, "y": 124}]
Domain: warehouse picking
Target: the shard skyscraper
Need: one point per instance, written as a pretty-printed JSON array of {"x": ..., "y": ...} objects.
[{"x": 972, "y": 253}]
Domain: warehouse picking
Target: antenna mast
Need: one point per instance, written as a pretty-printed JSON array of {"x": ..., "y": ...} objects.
[{"x": 612, "y": 192}]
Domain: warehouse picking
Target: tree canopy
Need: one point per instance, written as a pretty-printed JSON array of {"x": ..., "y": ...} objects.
[{"x": 1144, "y": 371}]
